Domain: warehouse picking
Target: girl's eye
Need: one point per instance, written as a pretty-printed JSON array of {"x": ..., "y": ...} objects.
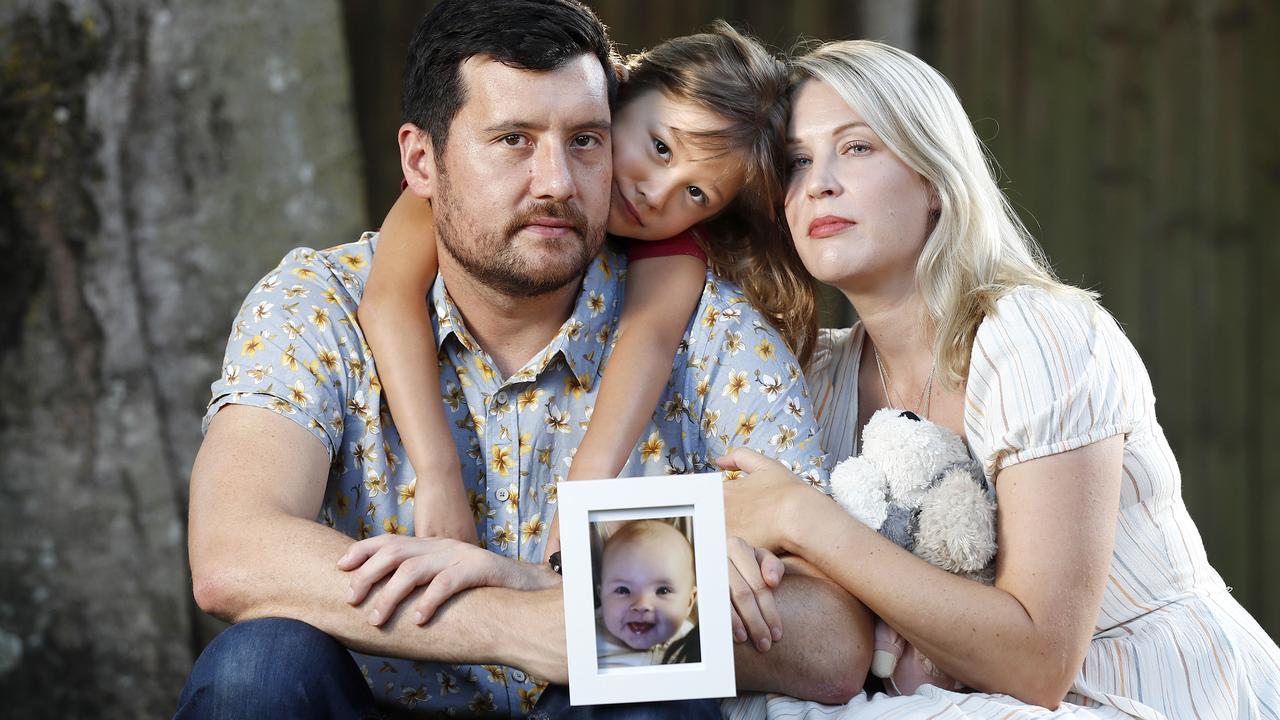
[
  {"x": 696, "y": 193},
  {"x": 661, "y": 148}
]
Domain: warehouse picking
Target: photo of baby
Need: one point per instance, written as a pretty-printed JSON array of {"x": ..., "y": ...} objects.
[{"x": 646, "y": 590}]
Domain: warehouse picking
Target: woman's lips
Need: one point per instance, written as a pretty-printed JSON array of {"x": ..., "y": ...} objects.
[{"x": 829, "y": 225}]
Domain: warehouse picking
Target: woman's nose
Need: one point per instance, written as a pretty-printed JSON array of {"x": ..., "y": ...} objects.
[{"x": 820, "y": 180}]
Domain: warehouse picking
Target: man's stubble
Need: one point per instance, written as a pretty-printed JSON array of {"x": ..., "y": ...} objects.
[{"x": 494, "y": 259}]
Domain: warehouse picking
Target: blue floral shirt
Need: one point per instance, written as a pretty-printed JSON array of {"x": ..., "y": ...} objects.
[{"x": 296, "y": 349}]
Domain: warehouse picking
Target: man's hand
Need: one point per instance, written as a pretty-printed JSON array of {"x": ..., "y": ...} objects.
[
  {"x": 445, "y": 566},
  {"x": 753, "y": 574}
]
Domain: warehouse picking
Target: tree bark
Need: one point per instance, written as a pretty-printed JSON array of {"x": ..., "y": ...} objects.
[{"x": 156, "y": 158}]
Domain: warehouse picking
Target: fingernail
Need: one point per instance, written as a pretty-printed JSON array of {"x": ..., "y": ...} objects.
[
  {"x": 418, "y": 619},
  {"x": 740, "y": 635},
  {"x": 351, "y": 594},
  {"x": 764, "y": 644},
  {"x": 375, "y": 617},
  {"x": 343, "y": 559},
  {"x": 777, "y": 634}
]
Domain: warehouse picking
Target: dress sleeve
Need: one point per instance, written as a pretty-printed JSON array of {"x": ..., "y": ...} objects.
[
  {"x": 1047, "y": 375},
  {"x": 686, "y": 243}
]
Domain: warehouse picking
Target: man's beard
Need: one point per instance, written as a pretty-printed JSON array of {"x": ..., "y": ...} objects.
[{"x": 493, "y": 259}]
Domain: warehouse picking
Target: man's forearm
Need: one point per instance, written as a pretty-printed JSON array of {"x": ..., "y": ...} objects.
[
  {"x": 255, "y": 552},
  {"x": 826, "y": 645}
]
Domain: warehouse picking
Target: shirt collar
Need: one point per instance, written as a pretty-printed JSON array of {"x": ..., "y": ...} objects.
[{"x": 581, "y": 340}]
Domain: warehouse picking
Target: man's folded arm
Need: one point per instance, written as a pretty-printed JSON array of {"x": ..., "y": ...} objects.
[
  {"x": 825, "y": 650},
  {"x": 257, "y": 551}
]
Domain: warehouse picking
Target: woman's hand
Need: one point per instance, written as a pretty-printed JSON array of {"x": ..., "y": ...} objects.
[
  {"x": 445, "y": 566},
  {"x": 753, "y": 574},
  {"x": 755, "y": 503}
]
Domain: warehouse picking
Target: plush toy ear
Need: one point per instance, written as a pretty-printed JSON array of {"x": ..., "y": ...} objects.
[{"x": 909, "y": 415}]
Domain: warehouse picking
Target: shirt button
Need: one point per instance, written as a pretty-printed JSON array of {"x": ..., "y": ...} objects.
[
  {"x": 502, "y": 494},
  {"x": 517, "y": 676},
  {"x": 502, "y": 398}
]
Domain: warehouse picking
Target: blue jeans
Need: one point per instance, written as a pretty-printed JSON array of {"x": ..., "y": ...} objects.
[{"x": 280, "y": 668}]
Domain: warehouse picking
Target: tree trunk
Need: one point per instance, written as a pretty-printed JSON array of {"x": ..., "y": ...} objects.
[{"x": 155, "y": 159}]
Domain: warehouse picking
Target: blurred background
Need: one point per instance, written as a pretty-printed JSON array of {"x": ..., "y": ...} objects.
[{"x": 158, "y": 156}]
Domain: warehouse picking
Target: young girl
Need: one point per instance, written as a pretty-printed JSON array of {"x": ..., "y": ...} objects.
[{"x": 697, "y": 147}]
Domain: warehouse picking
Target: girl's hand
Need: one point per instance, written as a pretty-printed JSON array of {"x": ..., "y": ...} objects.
[
  {"x": 753, "y": 575},
  {"x": 441, "y": 509},
  {"x": 553, "y": 539},
  {"x": 755, "y": 504}
]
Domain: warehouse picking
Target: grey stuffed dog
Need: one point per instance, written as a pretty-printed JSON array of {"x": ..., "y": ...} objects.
[{"x": 916, "y": 484}]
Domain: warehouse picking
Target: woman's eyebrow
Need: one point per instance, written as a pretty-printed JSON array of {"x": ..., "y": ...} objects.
[{"x": 836, "y": 131}]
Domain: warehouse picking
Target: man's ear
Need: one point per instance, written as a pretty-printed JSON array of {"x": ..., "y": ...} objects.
[{"x": 417, "y": 160}]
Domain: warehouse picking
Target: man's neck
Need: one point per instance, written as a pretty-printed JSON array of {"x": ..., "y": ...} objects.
[{"x": 510, "y": 329}]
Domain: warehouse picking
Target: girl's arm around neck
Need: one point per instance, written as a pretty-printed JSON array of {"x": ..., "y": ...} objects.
[
  {"x": 396, "y": 321},
  {"x": 661, "y": 295}
]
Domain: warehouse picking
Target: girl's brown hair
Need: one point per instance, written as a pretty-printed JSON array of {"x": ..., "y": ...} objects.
[{"x": 734, "y": 77}]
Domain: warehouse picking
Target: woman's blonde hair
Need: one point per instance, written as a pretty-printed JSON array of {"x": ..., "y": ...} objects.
[
  {"x": 977, "y": 250},
  {"x": 734, "y": 77}
]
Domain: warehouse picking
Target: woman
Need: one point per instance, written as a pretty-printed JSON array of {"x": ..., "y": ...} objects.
[{"x": 1103, "y": 595}]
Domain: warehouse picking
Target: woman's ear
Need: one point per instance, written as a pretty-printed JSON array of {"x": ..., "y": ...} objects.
[{"x": 417, "y": 160}]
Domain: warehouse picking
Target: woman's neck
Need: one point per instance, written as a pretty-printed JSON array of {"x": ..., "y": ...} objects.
[{"x": 897, "y": 325}]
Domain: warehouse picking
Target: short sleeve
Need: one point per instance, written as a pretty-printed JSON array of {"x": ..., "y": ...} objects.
[
  {"x": 293, "y": 348},
  {"x": 1048, "y": 374}
]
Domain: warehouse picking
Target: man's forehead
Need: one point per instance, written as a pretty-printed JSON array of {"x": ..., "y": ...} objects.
[{"x": 577, "y": 85}]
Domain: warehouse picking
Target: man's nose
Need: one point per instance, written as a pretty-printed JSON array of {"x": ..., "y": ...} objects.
[{"x": 551, "y": 174}]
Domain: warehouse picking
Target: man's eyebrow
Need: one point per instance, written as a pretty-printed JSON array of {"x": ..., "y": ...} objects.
[
  {"x": 843, "y": 128},
  {"x": 599, "y": 124}
]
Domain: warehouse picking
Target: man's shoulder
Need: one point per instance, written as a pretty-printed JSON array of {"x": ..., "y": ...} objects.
[{"x": 346, "y": 266}]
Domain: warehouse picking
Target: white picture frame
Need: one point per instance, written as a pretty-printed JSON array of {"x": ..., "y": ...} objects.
[{"x": 698, "y": 497}]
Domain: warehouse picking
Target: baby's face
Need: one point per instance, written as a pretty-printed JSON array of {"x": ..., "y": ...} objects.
[{"x": 648, "y": 589}]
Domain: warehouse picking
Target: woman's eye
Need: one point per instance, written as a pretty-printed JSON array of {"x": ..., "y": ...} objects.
[
  {"x": 798, "y": 163},
  {"x": 661, "y": 148},
  {"x": 857, "y": 148},
  {"x": 698, "y": 196}
]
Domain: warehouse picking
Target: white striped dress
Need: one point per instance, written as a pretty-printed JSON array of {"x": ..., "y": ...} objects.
[{"x": 1048, "y": 375}]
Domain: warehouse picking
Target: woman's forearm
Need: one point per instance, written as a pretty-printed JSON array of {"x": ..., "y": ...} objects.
[{"x": 981, "y": 635}]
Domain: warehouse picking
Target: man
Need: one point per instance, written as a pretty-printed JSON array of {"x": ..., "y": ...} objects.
[{"x": 510, "y": 141}]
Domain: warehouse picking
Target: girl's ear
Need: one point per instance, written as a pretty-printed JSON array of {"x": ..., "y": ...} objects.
[
  {"x": 417, "y": 160},
  {"x": 693, "y": 597}
]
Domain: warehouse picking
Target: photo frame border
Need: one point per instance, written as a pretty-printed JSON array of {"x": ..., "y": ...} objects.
[{"x": 634, "y": 498}]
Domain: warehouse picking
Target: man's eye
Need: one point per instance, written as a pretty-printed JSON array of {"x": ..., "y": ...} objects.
[
  {"x": 661, "y": 148},
  {"x": 512, "y": 140},
  {"x": 585, "y": 141}
]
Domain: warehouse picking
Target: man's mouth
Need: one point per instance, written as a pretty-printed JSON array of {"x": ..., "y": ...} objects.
[
  {"x": 551, "y": 227},
  {"x": 640, "y": 628}
]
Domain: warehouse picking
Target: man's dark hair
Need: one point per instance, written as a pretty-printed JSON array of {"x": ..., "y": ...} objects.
[{"x": 525, "y": 34}]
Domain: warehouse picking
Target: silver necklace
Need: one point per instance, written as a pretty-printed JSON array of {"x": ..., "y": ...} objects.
[{"x": 926, "y": 397}]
